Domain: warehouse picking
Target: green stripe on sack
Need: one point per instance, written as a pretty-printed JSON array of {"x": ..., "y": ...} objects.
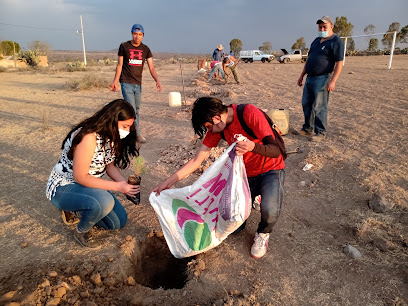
[
  {"x": 197, "y": 235},
  {"x": 176, "y": 204}
]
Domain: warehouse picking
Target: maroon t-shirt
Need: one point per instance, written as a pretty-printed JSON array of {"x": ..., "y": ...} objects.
[{"x": 133, "y": 61}]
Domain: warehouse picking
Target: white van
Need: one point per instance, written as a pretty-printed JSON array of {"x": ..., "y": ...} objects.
[{"x": 255, "y": 55}]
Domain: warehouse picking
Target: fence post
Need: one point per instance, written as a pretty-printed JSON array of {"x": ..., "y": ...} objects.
[
  {"x": 392, "y": 49},
  {"x": 345, "y": 48}
]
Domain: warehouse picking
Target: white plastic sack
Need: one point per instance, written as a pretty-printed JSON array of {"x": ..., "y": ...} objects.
[{"x": 199, "y": 217}]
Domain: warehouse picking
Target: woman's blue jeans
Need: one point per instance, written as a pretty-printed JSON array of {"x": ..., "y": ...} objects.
[
  {"x": 132, "y": 93},
  {"x": 269, "y": 186},
  {"x": 96, "y": 206},
  {"x": 315, "y": 100},
  {"x": 216, "y": 69}
]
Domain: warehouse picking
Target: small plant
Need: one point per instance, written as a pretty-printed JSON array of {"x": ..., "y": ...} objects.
[
  {"x": 77, "y": 66},
  {"x": 138, "y": 165}
]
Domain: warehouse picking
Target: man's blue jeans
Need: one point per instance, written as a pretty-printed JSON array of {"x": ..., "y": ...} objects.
[
  {"x": 216, "y": 69},
  {"x": 96, "y": 206},
  {"x": 315, "y": 100},
  {"x": 132, "y": 93},
  {"x": 269, "y": 186}
]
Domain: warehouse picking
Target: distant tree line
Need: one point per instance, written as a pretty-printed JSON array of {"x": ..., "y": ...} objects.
[{"x": 342, "y": 28}]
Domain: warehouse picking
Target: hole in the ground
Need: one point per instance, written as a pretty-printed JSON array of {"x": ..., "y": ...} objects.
[{"x": 158, "y": 268}]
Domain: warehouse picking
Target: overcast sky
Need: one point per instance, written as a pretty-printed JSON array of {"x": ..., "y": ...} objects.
[{"x": 187, "y": 26}]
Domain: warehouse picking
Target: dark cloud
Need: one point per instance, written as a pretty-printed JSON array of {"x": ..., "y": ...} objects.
[{"x": 188, "y": 26}]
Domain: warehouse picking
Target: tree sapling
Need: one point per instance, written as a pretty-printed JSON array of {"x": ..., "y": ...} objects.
[{"x": 135, "y": 179}]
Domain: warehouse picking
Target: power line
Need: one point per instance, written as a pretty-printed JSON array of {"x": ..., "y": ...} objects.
[{"x": 39, "y": 28}]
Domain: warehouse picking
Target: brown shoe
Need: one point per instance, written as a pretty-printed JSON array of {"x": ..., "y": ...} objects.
[
  {"x": 304, "y": 133},
  {"x": 141, "y": 139},
  {"x": 69, "y": 218},
  {"x": 86, "y": 240},
  {"x": 318, "y": 137}
]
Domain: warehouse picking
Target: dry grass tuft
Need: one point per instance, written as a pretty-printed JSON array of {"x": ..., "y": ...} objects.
[{"x": 88, "y": 81}]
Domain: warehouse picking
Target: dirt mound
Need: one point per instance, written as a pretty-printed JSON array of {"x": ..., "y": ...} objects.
[
  {"x": 178, "y": 154},
  {"x": 116, "y": 281}
]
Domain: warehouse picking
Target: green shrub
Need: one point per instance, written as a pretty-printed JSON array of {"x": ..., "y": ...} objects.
[
  {"x": 78, "y": 66},
  {"x": 30, "y": 57},
  {"x": 88, "y": 81}
]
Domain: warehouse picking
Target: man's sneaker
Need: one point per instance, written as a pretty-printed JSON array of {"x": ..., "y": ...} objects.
[
  {"x": 141, "y": 139},
  {"x": 260, "y": 245},
  {"x": 69, "y": 218},
  {"x": 257, "y": 203},
  {"x": 318, "y": 137},
  {"x": 304, "y": 133},
  {"x": 86, "y": 240}
]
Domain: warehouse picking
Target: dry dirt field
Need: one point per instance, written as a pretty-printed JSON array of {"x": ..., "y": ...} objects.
[{"x": 325, "y": 208}]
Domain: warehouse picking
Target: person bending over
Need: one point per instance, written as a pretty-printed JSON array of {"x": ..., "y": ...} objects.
[{"x": 262, "y": 157}]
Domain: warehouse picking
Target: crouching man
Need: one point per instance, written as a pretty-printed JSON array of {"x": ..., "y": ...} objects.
[{"x": 262, "y": 157}]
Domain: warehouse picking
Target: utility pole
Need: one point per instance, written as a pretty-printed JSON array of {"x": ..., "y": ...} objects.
[
  {"x": 14, "y": 54},
  {"x": 83, "y": 40}
]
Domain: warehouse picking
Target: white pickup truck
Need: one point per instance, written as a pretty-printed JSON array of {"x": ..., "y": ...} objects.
[
  {"x": 255, "y": 55},
  {"x": 295, "y": 56}
]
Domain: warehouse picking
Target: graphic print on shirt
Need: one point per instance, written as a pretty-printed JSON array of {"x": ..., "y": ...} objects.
[{"x": 135, "y": 57}]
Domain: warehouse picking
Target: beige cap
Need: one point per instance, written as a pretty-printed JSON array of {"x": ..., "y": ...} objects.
[
  {"x": 325, "y": 19},
  {"x": 220, "y": 47}
]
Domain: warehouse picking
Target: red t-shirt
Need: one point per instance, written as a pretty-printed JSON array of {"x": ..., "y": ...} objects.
[
  {"x": 257, "y": 122},
  {"x": 133, "y": 61}
]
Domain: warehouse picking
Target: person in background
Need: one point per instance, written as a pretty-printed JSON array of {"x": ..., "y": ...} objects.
[
  {"x": 218, "y": 53},
  {"x": 216, "y": 68},
  {"x": 103, "y": 143},
  {"x": 230, "y": 63},
  {"x": 325, "y": 56},
  {"x": 131, "y": 58},
  {"x": 262, "y": 157}
]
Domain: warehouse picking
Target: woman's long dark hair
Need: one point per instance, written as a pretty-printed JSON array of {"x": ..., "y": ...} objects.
[{"x": 105, "y": 123}]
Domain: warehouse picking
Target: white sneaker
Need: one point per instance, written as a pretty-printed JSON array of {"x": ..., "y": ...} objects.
[
  {"x": 257, "y": 203},
  {"x": 260, "y": 245}
]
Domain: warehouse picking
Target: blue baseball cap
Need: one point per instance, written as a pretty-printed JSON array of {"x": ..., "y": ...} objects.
[{"x": 137, "y": 28}]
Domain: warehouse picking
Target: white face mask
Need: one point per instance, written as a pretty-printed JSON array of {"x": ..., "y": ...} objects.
[
  {"x": 323, "y": 34},
  {"x": 123, "y": 133}
]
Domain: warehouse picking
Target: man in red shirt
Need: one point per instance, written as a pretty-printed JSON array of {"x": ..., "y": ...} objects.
[
  {"x": 262, "y": 157},
  {"x": 131, "y": 57}
]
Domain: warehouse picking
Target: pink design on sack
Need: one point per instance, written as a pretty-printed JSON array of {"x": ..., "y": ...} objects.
[
  {"x": 184, "y": 215},
  {"x": 217, "y": 185},
  {"x": 194, "y": 193}
]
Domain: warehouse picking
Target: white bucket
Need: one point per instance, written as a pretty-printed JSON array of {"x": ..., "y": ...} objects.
[
  {"x": 281, "y": 118},
  {"x": 174, "y": 99}
]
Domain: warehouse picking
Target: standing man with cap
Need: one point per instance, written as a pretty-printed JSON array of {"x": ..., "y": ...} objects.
[
  {"x": 218, "y": 54},
  {"x": 131, "y": 57},
  {"x": 325, "y": 56}
]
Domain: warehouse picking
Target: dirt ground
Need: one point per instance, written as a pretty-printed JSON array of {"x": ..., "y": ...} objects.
[{"x": 325, "y": 208}]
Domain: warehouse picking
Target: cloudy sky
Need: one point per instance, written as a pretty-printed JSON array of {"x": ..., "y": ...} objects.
[{"x": 187, "y": 26}]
